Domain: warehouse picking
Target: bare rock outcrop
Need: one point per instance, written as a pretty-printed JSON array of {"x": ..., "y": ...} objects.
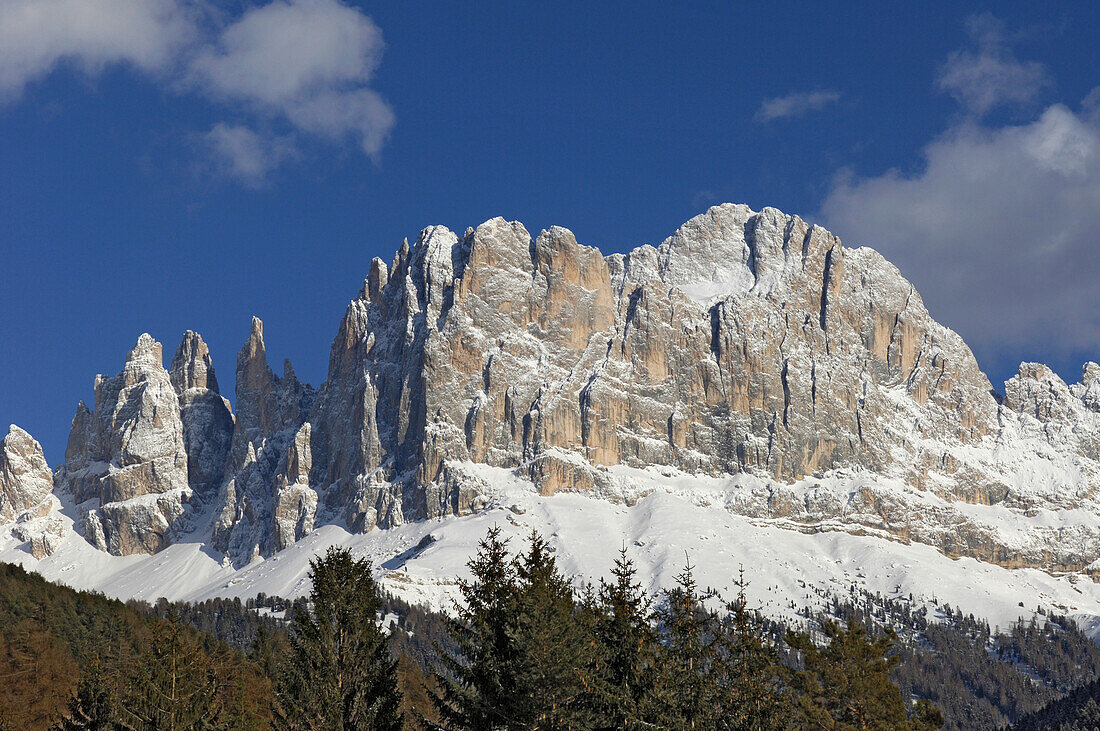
[
  {"x": 206, "y": 416},
  {"x": 295, "y": 501},
  {"x": 1089, "y": 389},
  {"x": 255, "y": 502},
  {"x": 26, "y": 481},
  {"x": 1062, "y": 415},
  {"x": 126, "y": 464}
]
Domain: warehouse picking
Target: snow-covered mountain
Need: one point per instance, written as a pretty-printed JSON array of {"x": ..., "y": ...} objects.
[{"x": 750, "y": 391}]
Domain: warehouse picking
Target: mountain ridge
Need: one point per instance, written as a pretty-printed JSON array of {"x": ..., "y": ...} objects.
[{"x": 749, "y": 347}]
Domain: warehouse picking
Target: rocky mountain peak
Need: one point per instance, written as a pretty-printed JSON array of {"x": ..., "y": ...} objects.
[
  {"x": 376, "y": 281},
  {"x": 748, "y": 348},
  {"x": 711, "y": 254},
  {"x": 126, "y": 463},
  {"x": 253, "y": 496},
  {"x": 266, "y": 403},
  {"x": 1090, "y": 382},
  {"x": 1038, "y": 391},
  {"x": 206, "y": 416},
  {"x": 26, "y": 481},
  {"x": 146, "y": 353},
  {"x": 192, "y": 366},
  {"x": 253, "y": 348}
]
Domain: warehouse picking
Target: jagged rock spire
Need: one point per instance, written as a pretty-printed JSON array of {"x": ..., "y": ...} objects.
[
  {"x": 207, "y": 417},
  {"x": 25, "y": 478},
  {"x": 130, "y": 446},
  {"x": 255, "y": 504},
  {"x": 192, "y": 366}
]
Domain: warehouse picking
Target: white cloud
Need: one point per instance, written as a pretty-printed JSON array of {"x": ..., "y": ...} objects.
[
  {"x": 246, "y": 155},
  {"x": 1091, "y": 104},
  {"x": 304, "y": 64},
  {"x": 360, "y": 112},
  {"x": 309, "y": 61},
  {"x": 795, "y": 104},
  {"x": 987, "y": 75},
  {"x": 998, "y": 231},
  {"x": 38, "y": 35}
]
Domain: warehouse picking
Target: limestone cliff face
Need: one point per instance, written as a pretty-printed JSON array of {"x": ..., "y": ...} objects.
[
  {"x": 748, "y": 344},
  {"x": 206, "y": 416},
  {"x": 26, "y": 481},
  {"x": 744, "y": 342},
  {"x": 126, "y": 464},
  {"x": 263, "y": 503}
]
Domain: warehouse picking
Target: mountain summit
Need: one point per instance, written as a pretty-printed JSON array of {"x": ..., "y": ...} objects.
[{"x": 750, "y": 350}]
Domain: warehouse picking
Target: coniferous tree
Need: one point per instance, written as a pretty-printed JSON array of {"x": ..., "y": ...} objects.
[
  {"x": 846, "y": 684},
  {"x": 173, "y": 687},
  {"x": 551, "y": 639},
  {"x": 36, "y": 674},
  {"x": 93, "y": 707},
  {"x": 754, "y": 697},
  {"x": 338, "y": 673},
  {"x": 476, "y": 686},
  {"x": 245, "y": 693},
  {"x": 690, "y": 684},
  {"x": 621, "y": 672},
  {"x": 416, "y": 694}
]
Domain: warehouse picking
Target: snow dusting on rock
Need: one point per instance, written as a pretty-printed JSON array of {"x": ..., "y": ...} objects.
[{"x": 747, "y": 392}]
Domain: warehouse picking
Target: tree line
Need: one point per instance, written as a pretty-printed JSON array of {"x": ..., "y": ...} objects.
[
  {"x": 524, "y": 648},
  {"x": 536, "y": 653}
]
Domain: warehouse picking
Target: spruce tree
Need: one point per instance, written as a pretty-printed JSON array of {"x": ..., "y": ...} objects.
[
  {"x": 338, "y": 673},
  {"x": 477, "y": 686},
  {"x": 93, "y": 707},
  {"x": 173, "y": 686},
  {"x": 621, "y": 672},
  {"x": 551, "y": 639},
  {"x": 267, "y": 650},
  {"x": 690, "y": 683},
  {"x": 754, "y": 697}
]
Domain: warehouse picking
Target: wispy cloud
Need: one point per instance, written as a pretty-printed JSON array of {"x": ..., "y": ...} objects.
[
  {"x": 304, "y": 64},
  {"x": 998, "y": 231},
  {"x": 988, "y": 75},
  {"x": 796, "y": 104},
  {"x": 308, "y": 61},
  {"x": 246, "y": 155},
  {"x": 37, "y": 36}
]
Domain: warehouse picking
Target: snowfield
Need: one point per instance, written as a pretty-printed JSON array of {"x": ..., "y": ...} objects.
[{"x": 672, "y": 519}]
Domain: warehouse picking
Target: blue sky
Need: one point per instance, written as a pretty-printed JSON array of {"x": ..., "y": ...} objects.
[{"x": 175, "y": 164}]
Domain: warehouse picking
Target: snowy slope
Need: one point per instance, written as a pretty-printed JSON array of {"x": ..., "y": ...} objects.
[{"x": 683, "y": 518}]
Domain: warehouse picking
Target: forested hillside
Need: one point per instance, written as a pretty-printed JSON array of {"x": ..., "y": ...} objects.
[
  {"x": 980, "y": 677},
  {"x": 528, "y": 648},
  {"x": 1079, "y": 711},
  {"x": 65, "y": 653}
]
